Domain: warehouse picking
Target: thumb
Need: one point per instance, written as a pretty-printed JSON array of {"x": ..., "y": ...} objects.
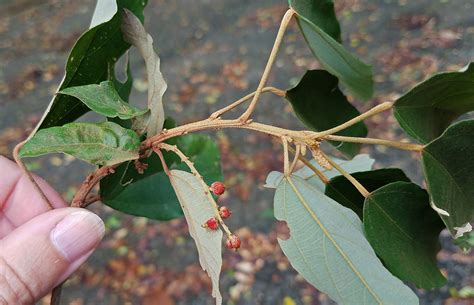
[{"x": 44, "y": 251}]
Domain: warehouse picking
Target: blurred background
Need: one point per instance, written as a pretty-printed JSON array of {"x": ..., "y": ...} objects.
[{"x": 212, "y": 53}]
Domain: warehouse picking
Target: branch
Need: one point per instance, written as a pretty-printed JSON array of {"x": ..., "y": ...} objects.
[
  {"x": 207, "y": 124},
  {"x": 281, "y": 31},
  {"x": 242, "y": 100},
  {"x": 364, "y": 192},
  {"x": 306, "y": 162},
  {"x": 376, "y": 110},
  {"x": 90, "y": 200},
  {"x": 27, "y": 173},
  {"x": 399, "y": 145},
  {"x": 286, "y": 162},
  {"x": 56, "y": 294},
  {"x": 297, "y": 154},
  {"x": 79, "y": 200}
]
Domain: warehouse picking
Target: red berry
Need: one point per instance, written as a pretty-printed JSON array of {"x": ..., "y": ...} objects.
[
  {"x": 233, "y": 242},
  {"x": 218, "y": 188},
  {"x": 224, "y": 212},
  {"x": 211, "y": 224}
]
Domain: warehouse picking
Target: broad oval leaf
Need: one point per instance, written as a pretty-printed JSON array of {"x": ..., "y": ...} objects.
[
  {"x": 328, "y": 248},
  {"x": 98, "y": 143},
  {"x": 150, "y": 194},
  {"x": 355, "y": 74},
  {"x": 448, "y": 164},
  {"x": 403, "y": 230},
  {"x": 135, "y": 34},
  {"x": 320, "y": 105},
  {"x": 430, "y": 107},
  {"x": 104, "y": 99},
  {"x": 197, "y": 209},
  {"x": 89, "y": 61},
  {"x": 341, "y": 190},
  {"x": 321, "y": 13}
]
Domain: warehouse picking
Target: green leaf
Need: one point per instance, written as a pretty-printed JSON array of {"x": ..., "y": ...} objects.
[
  {"x": 356, "y": 75},
  {"x": 403, "y": 230},
  {"x": 429, "y": 108},
  {"x": 150, "y": 194},
  {"x": 89, "y": 62},
  {"x": 341, "y": 190},
  {"x": 104, "y": 99},
  {"x": 321, "y": 13},
  {"x": 135, "y": 34},
  {"x": 328, "y": 248},
  {"x": 320, "y": 105},
  {"x": 123, "y": 89},
  {"x": 198, "y": 208},
  {"x": 98, "y": 143},
  {"x": 448, "y": 164}
]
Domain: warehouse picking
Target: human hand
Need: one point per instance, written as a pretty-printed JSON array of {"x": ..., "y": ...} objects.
[{"x": 39, "y": 248}]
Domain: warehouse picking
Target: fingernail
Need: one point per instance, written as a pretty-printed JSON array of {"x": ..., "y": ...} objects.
[{"x": 77, "y": 234}]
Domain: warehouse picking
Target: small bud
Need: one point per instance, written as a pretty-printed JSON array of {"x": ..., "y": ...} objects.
[
  {"x": 218, "y": 188},
  {"x": 211, "y": 224},
  {"x": 233, "y": 242},
  {"x": 224, "y": 212}
]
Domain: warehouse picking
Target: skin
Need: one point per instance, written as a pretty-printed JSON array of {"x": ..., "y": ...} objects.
[{"x": 31, "y": 262}]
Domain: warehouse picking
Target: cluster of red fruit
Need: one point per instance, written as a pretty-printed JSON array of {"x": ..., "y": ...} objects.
[{"x": 233, "y": 242}]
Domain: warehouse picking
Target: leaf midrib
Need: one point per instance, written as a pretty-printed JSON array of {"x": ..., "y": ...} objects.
[{"x": 335, "y": 244}]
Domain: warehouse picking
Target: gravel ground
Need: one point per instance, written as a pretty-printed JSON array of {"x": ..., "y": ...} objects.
[{"x": 212, "y": 53}]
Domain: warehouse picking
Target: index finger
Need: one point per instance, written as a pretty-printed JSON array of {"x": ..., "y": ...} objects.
[{"x": 19, "y": 201}]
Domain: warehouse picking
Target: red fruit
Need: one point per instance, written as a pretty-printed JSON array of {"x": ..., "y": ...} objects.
[
  {"x": 224, "y": 212},
  {"x": 233, "y": 242},
  {"x": 211, "y": 224},
  {"x": 218, "y": 188}
]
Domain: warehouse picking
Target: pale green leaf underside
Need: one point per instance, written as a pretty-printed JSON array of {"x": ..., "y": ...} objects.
[
  {"x": 328, "y": 248},
  {"x": 198, "y": 209},
  {"x": 97, "y": 143},
  {"x": 104, "y": 99}
]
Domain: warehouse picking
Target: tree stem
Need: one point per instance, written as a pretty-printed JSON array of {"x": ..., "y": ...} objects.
[
  {"x": 281, "y": 31},
  {"x": 27, "y": 173},
  {"x": 208, "y": 124},
  {"x": 306, "y": 162},
  {"x": 242, "y": 100},
  {"x": 79, "y": 200},
  {"x": 286, "y": 162},
  {"x": 297, "y": 154},
  {"x": 364, "y": 192},
  {"x": 399, "y": 145},
  {"x": 377, "y": 109}
]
